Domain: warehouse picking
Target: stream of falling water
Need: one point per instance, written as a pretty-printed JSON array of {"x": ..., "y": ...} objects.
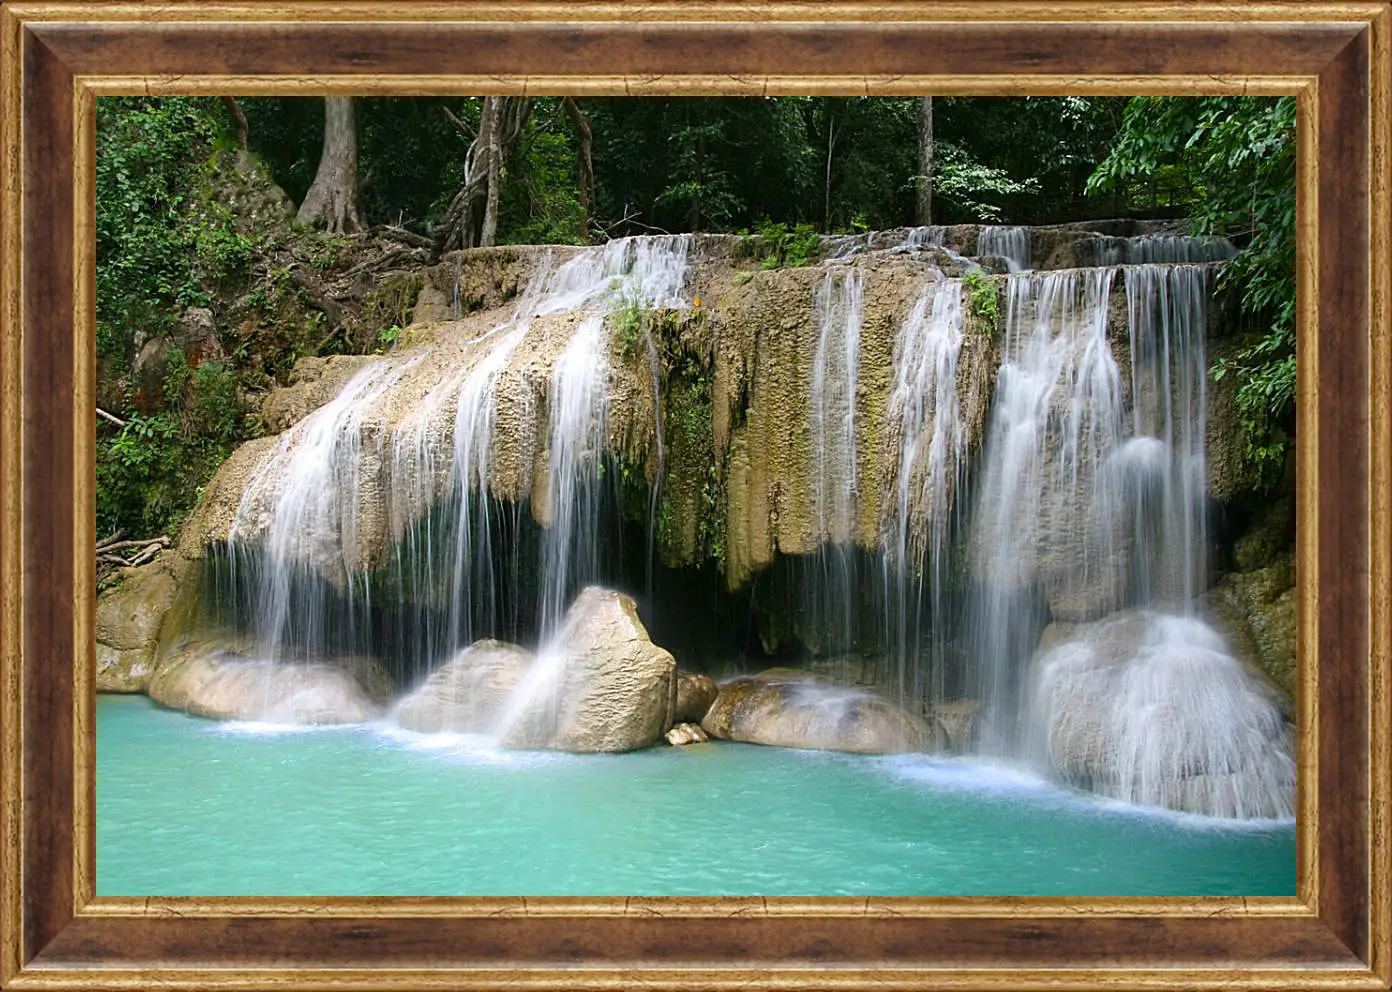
[
  {"x": 839, "y": 305},
  {"x": 1009, "y": 243},
  {"x": 932, "y": 462},
  {"x": 1057, "y": 415}
]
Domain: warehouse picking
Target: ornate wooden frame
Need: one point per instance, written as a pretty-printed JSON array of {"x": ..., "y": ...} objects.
[{"x": 56, "y": 57}]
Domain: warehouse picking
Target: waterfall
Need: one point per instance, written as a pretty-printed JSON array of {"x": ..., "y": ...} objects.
[
  {"x": 1044, "y": 566},
  {"x": 1161, "y": 467},
  {"x": 1057, "y": 415},
  {"x": 1161, "y": 249},
  {"x": 1152, "y": 709},
  {"x": 309, "y": 530},
  {"x": 926, "y": 421},
  {"x": 295, "y": 540},
  {"x": 1009, "y": 243},
  {"x": 839, "y": 302}
]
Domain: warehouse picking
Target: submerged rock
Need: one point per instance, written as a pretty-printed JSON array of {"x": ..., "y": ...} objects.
[
  {"x": 603, "y": 686},
  {"x": 695, "y": 694},
  {"x": 219, "y": 682},
  {"x": 785, "y": 708},
  {"x": 686, "y": 733},
  {"x": 1153, "y": 709},
  {"x": 469, "y": 692}
]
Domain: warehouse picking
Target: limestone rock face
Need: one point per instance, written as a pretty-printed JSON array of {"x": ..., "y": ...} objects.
[
  {"x": 222, "y": 683},
  {"x": 1256, "y": 611},
  {"x": 603, "y": 686},
  {"x": 784, "y": 708},
  {"x": 128, "y": 619},
  {"x": 1153, "y": 709},
  {"x": 123, "y": 671},
  {"x": 695, "y": 693},
  {"x": 469, "y": 692}
]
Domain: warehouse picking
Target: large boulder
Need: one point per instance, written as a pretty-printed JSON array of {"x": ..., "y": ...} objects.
[
  {"x": 469, "y": 692},
  {"x": 785, "y": 708},
  {"x": 223, "y": 683},
  {"x": 1153, "y": 709},
  {"x": 695, "y": 693},
  {"x": 128, "y": 620},
  {"x": 603, "y": 685}
]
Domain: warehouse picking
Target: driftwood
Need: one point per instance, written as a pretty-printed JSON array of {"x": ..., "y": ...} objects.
[{"x": 136, "y": 552}]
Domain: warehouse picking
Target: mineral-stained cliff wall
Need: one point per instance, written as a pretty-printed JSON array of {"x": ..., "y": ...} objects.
[{"x": 717, "y": 381}]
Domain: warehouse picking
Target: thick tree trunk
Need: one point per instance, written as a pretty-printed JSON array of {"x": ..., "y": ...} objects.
[
  {"x": 493, "y": 149},
  {"x": 332, "y": 200},
  {"x": 585, "y": 137},
  {"x": 925, "y": 161},
  {"x": 502, "y": 123}
]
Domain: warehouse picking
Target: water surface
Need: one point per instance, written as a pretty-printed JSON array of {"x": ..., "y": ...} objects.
[{"x": 192, "y": 807}]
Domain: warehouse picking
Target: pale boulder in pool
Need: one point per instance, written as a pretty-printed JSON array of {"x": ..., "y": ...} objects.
[
  {"x": 469, "y": 693},
  {"x": 602, "y": 685},
  {"x": 221, "y": 683},
  {"x": 785, "y": 708}
]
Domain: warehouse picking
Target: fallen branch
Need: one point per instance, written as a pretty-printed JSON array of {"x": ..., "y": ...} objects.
[
  {"x": 109, "y": 539},
  {"x": 162, "y": 541},
  {"x": 401, "y": 234},
  {"x": 114, "y": 419},
  {"x": 381, "y": 261}
]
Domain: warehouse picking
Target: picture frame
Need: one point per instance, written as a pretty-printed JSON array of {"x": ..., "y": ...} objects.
[{"x": 57, "y": 57}]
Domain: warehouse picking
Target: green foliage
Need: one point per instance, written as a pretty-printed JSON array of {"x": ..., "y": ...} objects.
[
  {"x": 541, "y": 203},
  {"x": 1238, "y": 155},
  {"x": 982, "y": 301},
  {"x": 149, "y": 473},
  {"x": 387, "y": 336},
  {"x": 975, "y": 190},
  {"x": 159, "y": 247},
  {"x": 783, "y": 248},
  {"x": 629, "y": 321}
]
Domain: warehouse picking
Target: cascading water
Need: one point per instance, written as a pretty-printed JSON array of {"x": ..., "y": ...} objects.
[
  {"x": 1086, "y": 505},
  {"x": 308, "y": 530},
  {"x": 1162, "y": 249},
  {"x": 931, "y": 439},
  {"x": 839, "y": 304},
  {"x": 1057, "y": 416},
  {"x": 309, "y": 579},
  {"x": 1009, "y": 243}
]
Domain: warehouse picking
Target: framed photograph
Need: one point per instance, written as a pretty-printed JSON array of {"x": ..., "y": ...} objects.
[{"x": 1017, "y": 501}]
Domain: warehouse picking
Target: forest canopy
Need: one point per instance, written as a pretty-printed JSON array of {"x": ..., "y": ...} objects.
[{"x": 177, "y": 226}]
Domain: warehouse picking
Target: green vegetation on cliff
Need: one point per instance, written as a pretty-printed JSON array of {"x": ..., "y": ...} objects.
[{"x": 1229, "y": 162}]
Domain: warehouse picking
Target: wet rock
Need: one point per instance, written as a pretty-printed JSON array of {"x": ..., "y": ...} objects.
[
  {"x": 787, "y": 708},
  {"x": 955, "y": 725},
  {"x": 603, "y": 686},
  {"x": 224, "y": 682},
  {"x": 123, "y": 671},
  {"x": 686, "y": 733},
  {"x": 695, "y": 693},
  {"x": 1153, "y": 709},
  {"x": 469, "y": 692},
  {"x": 128, "y": 620},
  {"x": 1256, "y": 611}
]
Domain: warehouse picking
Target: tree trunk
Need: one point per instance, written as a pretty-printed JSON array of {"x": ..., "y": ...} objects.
[
  {"x": 489, "y": 135},
  {"x": 925, "y": 161},
  {"x": 585, "y": 137},
  {"x": 831, "y": 146},
  {"x": 332, "y": 200},
  {"x": 238, "y": 119}
]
